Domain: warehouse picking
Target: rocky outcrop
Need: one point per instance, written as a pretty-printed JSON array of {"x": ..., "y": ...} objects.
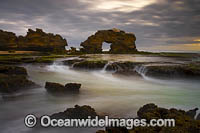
[
  {"x": 173, "y": 71},
  {"x": 192, "y": 112},
  {"x": 73, "y": 86},
  {"x": 122, "y": 66},
  {"x": 59, "y": 88},
  {"x": 54, "y": 87},
  {"x": 115, "y": 130},
  {"x": 33, "y": 41},
  {"x": 198, "y": 117},
  {"x": 151, "y": 110},
  {"x": 14, "y": 83},
  {"x": 12, "y": 70},
  {"x": 184, "y": 121},
  {"x": 127, "y": 73},
  {"x": 121, "y": 42},
  {"x": 78, "y": 112},
  {"x": 13, "y": 79},
  {"x": 8, "y": 40},
  {"x": 72, "y": 61},
  {"x": 90, "y": 65}
]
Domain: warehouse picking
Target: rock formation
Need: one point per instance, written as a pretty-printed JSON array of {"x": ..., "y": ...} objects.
[
  {"x": 78, "y": 112},
  {"x": 13, "y": 79},
  {"x": 59, "y": 88},
  {"x": 8, "y": 40},
  {"x": 191, "y": 71},
  {"x": 33, "y": 41},
  {"x": 184, "y": 121},
  {"x": 90, "y": 65},
  {"x": 121, "y": 42}
]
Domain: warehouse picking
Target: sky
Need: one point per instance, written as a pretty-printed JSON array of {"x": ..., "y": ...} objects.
[{"x": 157, "y": 24}]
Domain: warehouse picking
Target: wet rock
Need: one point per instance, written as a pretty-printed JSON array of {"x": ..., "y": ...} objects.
[
  {"x": 117, "y": 130},
  {"x": 90, "y": 65},
  {"x": 192, "y": 113},
  {"x": 121, "y": 66},
  {"x": 12, "y": 70},
  {"x": 173, "y": 71},
  {"x": 126, "y": 73},
  {"x": 13, "y": 79},
  {"x": 14, "y": 83},
  {"x": 73, "y": 86},
  {"x": 54, "y": 87},
  {"x": 81, "y": 112},
  {"x": 183, "y": 121},
  {"x": 71, "y": 62},
  {"x": 59, "y": 88},
  {"x": 121, "y": 42},
  {"x": 33, "y": 41},
  {"x": 15, "y": 60},
  {"x": 198, "y": 116},
  {"x": 146, "y": 109},
  {"x": 101, "y": 131}
]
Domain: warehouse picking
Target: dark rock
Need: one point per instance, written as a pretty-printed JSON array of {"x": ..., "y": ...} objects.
[
  {"x": 54, "y": 87},
  {"x": 33, "y": 41},
  {"x": 14, "y": 83},
  {"x": 101, "y": 131},
  {"x": 78, "y": 112},
  {"x": 7, "y": 40},
  {"x": 13, "y": 79},
  {"x": 91, "y": 65},
  {"x": 71, "y": 62},
  {"x": 73, "y": 86},
  {"x": 117, "y": 130},
  {"x": 183, "y": 121},
  {"x": 192, "y": 113},
  {"x": 198, "y": 117},
  {"x": 12, "y": 70},
  {"x": 73, "y": 50},
  {"x": 59, "y": 88},
  {"x": 173, "y": 71},
  {"x": 121, "y": 42},
  {"x": 122, "y": 66},
  {"x": 127, "y": 73},
  {"x": 146, "y": 109}
]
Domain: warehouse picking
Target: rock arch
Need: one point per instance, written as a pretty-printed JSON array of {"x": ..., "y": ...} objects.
[{"x": 121, "y": 42}]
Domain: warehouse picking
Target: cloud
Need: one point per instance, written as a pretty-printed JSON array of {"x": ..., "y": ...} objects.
[
  {"x": 176, "y": 47},
  {"x": 118, "y": 5},
  {"x": 155, "y": 22}
]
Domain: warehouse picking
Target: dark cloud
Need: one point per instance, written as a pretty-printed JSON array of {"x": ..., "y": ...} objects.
[{"x": 159, "y": 22}]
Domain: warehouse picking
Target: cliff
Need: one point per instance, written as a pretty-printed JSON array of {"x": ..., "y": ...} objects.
[
  {"x": 121, "y": 42},
  {"x": 33, "y": 41}
]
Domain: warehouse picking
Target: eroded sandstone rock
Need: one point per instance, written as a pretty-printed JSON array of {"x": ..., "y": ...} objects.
[
  {"x": 121, "y": 42},
  {"x": 33, "y": 41}
]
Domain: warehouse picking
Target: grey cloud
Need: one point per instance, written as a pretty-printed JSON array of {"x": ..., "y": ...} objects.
[{"x": 155, "y": 24}]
